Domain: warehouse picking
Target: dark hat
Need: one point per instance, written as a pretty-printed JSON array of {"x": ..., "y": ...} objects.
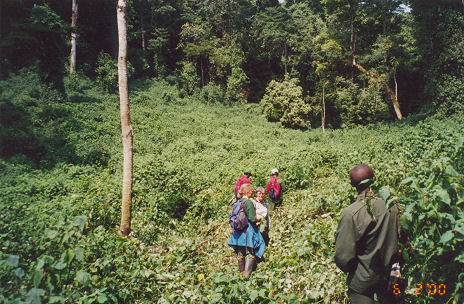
[{"x": 247, "y": 171}]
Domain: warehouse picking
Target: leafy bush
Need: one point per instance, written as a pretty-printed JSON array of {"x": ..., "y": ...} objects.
[
  {"x": 433, "y": 218},
  {"x": 360, "y": 105},
  {"x": 284, "y": 102},
  {"x": 107, "y": 72},
  {"x": 189, "y": 79},
  {"x": 75, "y": 86},
  {"x": 212, "y": 93},
  {"x": 449, "y": 95},
  {"x": 236, "y": 84}
]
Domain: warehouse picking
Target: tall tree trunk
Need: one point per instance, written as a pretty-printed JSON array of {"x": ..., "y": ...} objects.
[
  {"x": 126, "y": 126},
  {"x": 323, "y": 108},
  {"x": 285, "y": 56},
  {"x": 142, "y": 28},
  {"x": 1, "y": 32},
  {"x": 143, "y": 35},
  {"x": 352, "y": 41},
  {"x": 72, "y": 59},
  {"x": 384, "y": 38}
]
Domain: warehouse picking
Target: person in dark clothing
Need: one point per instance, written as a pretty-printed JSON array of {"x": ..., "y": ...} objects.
[{"x": 366, "y": 240}]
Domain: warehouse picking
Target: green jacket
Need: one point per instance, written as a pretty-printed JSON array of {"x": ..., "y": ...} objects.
[
  {"x": 250, "y": 210},
  {"x": 365, "y": 244}
]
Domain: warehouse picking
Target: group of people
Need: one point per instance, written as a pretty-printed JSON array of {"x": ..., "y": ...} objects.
[
  {"x": 249, "y": 244},
  {"x": 366, "y": 241}
]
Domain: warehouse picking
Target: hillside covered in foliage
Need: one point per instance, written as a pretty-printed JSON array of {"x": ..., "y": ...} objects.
[{"x": 61, "y": 210}]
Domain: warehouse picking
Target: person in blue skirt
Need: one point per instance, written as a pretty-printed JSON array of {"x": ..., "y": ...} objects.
[{"x": 248, "y": 244}]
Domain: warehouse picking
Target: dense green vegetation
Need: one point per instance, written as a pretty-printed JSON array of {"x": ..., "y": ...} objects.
[
  {"x": 232, "y": 51},
  {"x": 218, "y": 86},
  {"x": 59, "y": 218}
]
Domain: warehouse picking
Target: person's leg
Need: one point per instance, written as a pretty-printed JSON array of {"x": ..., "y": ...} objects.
[
  {"x": 241, "y": 253},
  {"x": 249, "y": 263},
  {"x": 356, "y": 298},
  {"x": 265, "y": 235}
]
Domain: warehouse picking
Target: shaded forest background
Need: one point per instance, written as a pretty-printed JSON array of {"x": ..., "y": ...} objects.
[{"x": 230, "y": 51}]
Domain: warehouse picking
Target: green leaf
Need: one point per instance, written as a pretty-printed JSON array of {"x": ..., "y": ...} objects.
[
  {"x": 459, "y": 144},
  {"x": 51, "y": 234},
  {"x": 83, "y": 277},
  {"x": 56, "y": 299},
  {"x": 384, "y": 193},
  {"x": 446, "y": 237},
  {"x": 444, "y": 196},
  {"x": 405, "y": 256},
  {"x": 460, "y": 258},
  {"x": 13, "y": 260},
  {"x": 102, "y": 298},
  {"x": 253, "y": 295},
  {"x": 219, "y": 279},
  {"x": 79, "y": 252},
  {"x": 80, "y": 221},
  {"x": 19, "y": 272},
  {"x": 451, "y": 172},
  {"x": 60, "y": 265},
  {"x": 37, "y": 277},
  {"x": 40, "y": 264},
  {"x": 459, "y": 228},
  {"x": 34, "y": 296},
  {"x": 407, "y": 180}
]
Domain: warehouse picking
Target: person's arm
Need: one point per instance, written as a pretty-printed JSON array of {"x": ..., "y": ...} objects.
[
  {"x": 250, "y": 211},
  {"x": 258, "y": 218},
  {"x": 345, "y": 244},
  {"x": 282, "y": 187}
]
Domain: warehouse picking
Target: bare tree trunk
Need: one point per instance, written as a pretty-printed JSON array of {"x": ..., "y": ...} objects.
[
  {"x": 352, "y": 41},
  {"x": 285, "y": 56},
  {"x": 201, "y": 69},
  {"x": 142, "y": 28},
  {"x": 72, "y": 59},
  {"x": 323, "y": 108},
  {"x": 1, "y": 32},
  {"x": 384, "y": 38},
  {"x": 143, "y": 36},
  {"x": 126, "y": 126}
]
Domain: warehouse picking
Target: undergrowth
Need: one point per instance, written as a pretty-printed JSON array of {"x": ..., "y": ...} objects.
[{"x": 60, "y": 216}]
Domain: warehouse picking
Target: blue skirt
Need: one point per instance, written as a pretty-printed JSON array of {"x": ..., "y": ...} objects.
[{"x": 250, "y": 238}]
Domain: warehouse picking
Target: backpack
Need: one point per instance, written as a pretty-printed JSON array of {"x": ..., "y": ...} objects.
[
  {"x": 273, "y": 188},
  {"x": 237, "y": 217}
]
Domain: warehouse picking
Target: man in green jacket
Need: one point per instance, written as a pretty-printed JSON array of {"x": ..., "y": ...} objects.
[{"x": 366, "y": 240}]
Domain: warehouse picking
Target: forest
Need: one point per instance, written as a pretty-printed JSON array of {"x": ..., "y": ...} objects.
[{"x": 312, "y": 87}]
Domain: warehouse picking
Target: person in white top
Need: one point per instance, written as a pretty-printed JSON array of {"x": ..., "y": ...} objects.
[{"x": 262, "y": 213}]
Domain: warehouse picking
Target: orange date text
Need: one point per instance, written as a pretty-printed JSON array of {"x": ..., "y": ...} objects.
[{"x": 431, "y": 289}]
